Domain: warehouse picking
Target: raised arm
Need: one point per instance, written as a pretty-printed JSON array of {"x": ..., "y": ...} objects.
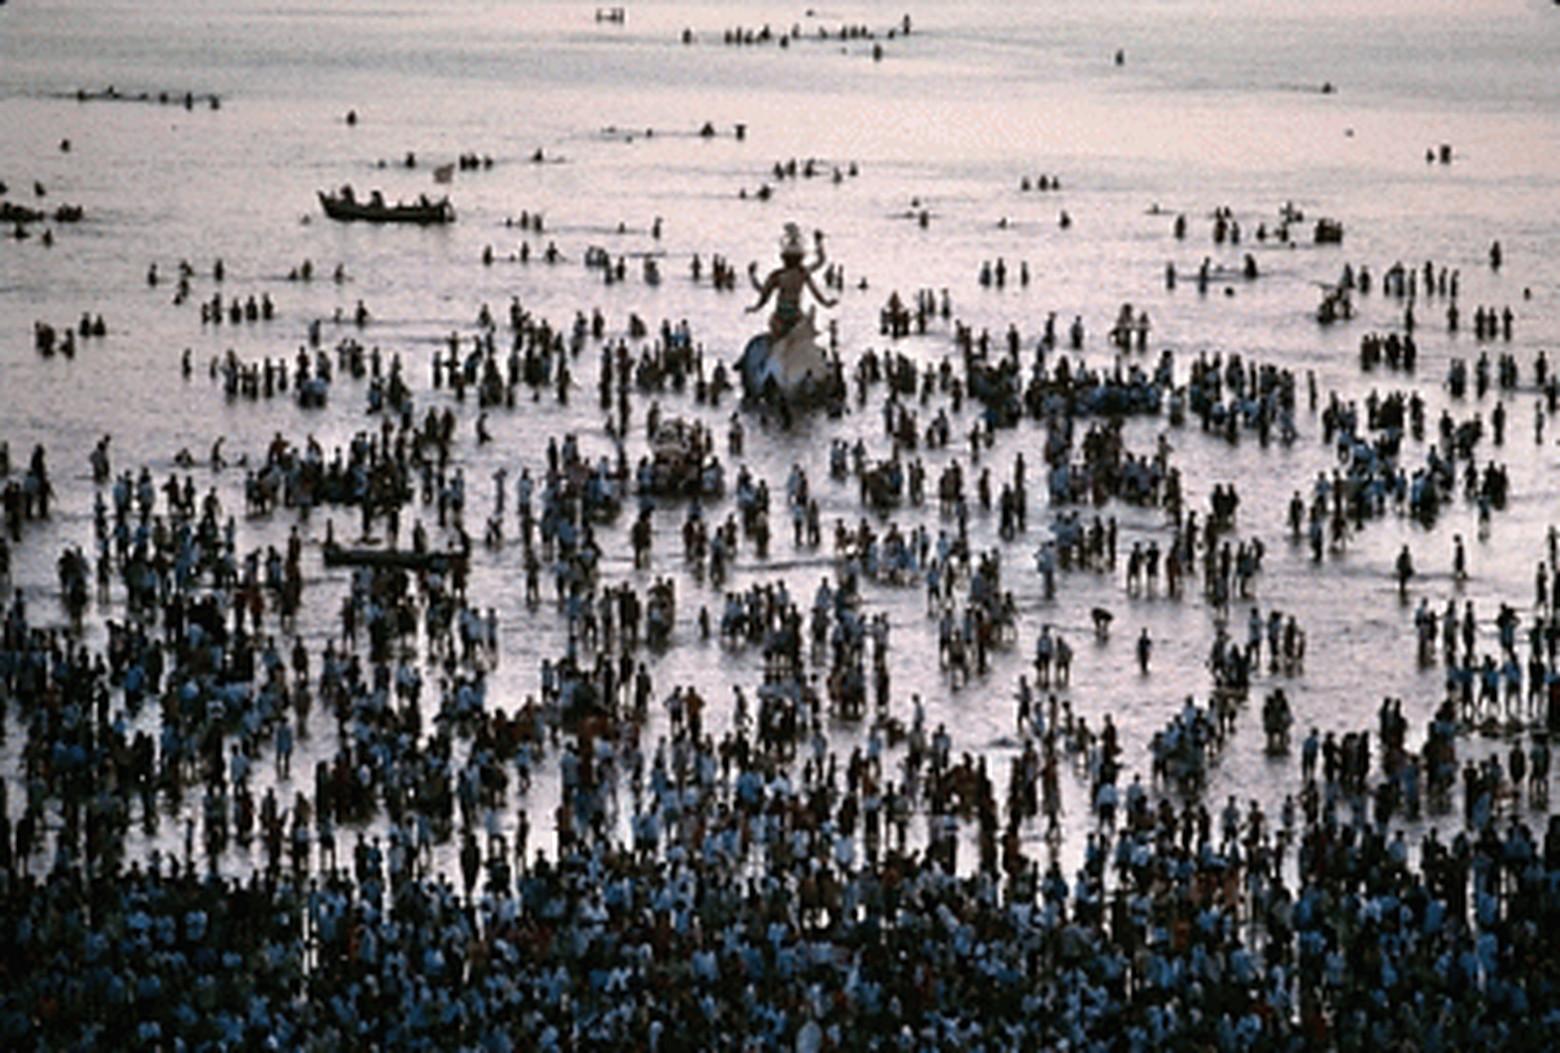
[
  {"x": 818, "y": 293},
  {"x": 818, "y": 245},
  {"x": 765, "y": 291}
]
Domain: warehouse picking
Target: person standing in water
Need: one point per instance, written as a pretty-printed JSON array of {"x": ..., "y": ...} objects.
[{"x": 786, "y": 282}]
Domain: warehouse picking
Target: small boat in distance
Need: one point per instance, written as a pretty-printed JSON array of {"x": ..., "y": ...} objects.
[{"x": 345, "y": 207}]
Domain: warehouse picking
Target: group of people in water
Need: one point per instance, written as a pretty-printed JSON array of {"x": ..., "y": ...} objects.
[
  {"x": 47, "y": 340},
  {"x": 723, "y": 869},
  {"x": 162, "y": 98},
  {"x": 748, "y": 36}
]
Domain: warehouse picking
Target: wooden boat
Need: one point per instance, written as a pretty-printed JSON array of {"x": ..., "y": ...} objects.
[
  {"x": 682, "y": 463},
  {"x": 422, "y": 212},
  {"x": 406, "y": 559},
  {"x": 14, "y": 213},
  {"x": 1329, "y": 232}
]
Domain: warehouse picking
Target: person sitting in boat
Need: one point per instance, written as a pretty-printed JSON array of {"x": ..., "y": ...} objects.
[
  {"x": 347, "y": 195},
  {"x": 787, "y": 281},
  {"x": 377, "y": 199}
]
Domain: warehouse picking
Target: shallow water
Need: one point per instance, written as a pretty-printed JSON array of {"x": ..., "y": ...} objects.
[{"x": 1215, "y": 105}]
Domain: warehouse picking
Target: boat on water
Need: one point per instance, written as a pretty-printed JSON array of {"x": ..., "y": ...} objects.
[
  {"x": 13, "y": 213},
  {"x": 346, "y": 207},
  {"x": 343, "y": 556}
]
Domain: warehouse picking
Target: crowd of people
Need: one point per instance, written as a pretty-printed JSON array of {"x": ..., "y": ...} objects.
[{"x": 760, "y": 880}]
